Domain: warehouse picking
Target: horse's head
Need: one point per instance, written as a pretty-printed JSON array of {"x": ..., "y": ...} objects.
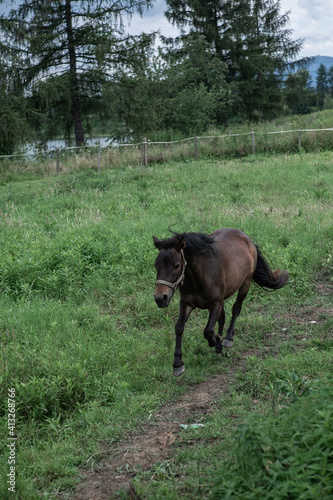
[{"x": 170, "y": 266}]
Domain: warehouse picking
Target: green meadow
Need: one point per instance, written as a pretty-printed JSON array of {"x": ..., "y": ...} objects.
[{"x": 89, "y": 354}]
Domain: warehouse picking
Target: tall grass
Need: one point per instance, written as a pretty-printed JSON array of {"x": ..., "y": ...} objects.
[
  {"x": 82, "y": 342},
  {"x": 287, "y": 455}
]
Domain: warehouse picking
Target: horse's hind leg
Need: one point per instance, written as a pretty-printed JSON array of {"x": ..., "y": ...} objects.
[
  {"x": 209, "y": 331},
  {"x": 236, "y": 309},
  {"x": 221, "y": 322}
]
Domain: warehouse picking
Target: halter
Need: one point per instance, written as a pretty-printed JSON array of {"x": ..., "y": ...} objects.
[{"x": 179, "y": 281}]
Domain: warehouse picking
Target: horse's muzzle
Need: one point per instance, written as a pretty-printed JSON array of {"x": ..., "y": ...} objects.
[{"x": 162, "y": 300}]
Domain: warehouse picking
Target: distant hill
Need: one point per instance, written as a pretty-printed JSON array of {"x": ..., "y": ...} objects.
[{"x": 313, "y": 67}]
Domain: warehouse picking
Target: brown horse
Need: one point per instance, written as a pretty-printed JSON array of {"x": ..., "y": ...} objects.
[{"x": 209, "y": 269}]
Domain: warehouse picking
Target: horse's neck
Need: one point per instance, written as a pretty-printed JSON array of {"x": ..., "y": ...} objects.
[{"x": 193, "y": 269}]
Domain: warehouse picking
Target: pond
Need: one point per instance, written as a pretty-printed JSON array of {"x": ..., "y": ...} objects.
[{"x": 54, "y": 144}]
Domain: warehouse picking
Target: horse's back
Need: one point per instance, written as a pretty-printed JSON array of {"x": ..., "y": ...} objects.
[
  {"x": 233, "y": 237},
  {"x": 238, "y": 256}
]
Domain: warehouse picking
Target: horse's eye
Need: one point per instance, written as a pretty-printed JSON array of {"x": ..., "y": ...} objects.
[{"x": 177, "y": 265}]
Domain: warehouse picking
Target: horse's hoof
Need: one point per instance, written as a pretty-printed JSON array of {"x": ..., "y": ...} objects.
[
  {"x": 227, "y": 343},
  {"x": 218, "y": 349},
  {"x": 179, "y": 371}
]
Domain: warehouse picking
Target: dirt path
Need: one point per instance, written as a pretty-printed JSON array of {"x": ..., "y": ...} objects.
[{"x": 153, "y": 444}]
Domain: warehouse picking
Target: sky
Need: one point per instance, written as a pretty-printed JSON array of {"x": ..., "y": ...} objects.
[{"x": 311, "y": 20}]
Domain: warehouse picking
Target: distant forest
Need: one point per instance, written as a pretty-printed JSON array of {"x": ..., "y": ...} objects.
[{"x": 69, "y": 69}]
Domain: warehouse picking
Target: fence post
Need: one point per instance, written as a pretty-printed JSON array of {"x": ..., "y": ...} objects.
[
  {"x": 299, "y": 140},
  {"x": 99, "y": 156},
  {"x": 196, "y": 146},
  {"x": 144, "y": 152},
  {"x": 58, "y": 161},
  {"x": 253, "y": 143}
]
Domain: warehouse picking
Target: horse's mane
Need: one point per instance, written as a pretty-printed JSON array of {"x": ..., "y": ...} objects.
[{"x": 197, "y": 243}]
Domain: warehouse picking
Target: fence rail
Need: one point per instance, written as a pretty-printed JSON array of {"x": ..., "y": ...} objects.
[{"x": 146, "y": 144}]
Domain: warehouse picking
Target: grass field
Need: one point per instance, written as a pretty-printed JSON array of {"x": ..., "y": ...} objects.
[{"x": 90, "y": 355}]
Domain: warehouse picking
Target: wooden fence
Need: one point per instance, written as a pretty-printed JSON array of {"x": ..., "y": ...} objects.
[{"x": 250, "y": 146}]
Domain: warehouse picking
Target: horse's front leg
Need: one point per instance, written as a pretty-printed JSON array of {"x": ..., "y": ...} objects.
[
  {"x": 209, "y": 331},
  {"x": 184, "y": 312}
]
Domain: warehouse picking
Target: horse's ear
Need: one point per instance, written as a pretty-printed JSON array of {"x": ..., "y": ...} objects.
[
  {"x": 157, "y": 242},
  {"x": 181, "y": 243}
]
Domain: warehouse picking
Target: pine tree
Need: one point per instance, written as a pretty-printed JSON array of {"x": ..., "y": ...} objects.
[
  {"x": 14, "y": 108},
  {"x": 182, "y": 89},
  {"x": 69, "y": 48},
  {"x": 298, "y": 92},
  {"x": 322, "y": 85},
  {"x": 251, "y": 37},
  {"x": 14, "y": 113},
  {"x": 197, "y": 93},
  {"x": 330, "y": 81}
]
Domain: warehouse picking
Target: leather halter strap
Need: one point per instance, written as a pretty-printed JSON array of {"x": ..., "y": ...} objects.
[{"x": 179, "y": 281}]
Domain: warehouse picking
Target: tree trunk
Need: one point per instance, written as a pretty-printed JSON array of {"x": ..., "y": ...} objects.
[{"x": 74, "y": 85}]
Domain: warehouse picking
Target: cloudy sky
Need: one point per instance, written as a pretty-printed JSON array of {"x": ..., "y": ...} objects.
[{"x": 311, "y": 20}]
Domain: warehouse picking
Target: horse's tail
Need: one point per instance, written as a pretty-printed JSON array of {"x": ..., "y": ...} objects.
[{"x": 265, "y": 277}]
